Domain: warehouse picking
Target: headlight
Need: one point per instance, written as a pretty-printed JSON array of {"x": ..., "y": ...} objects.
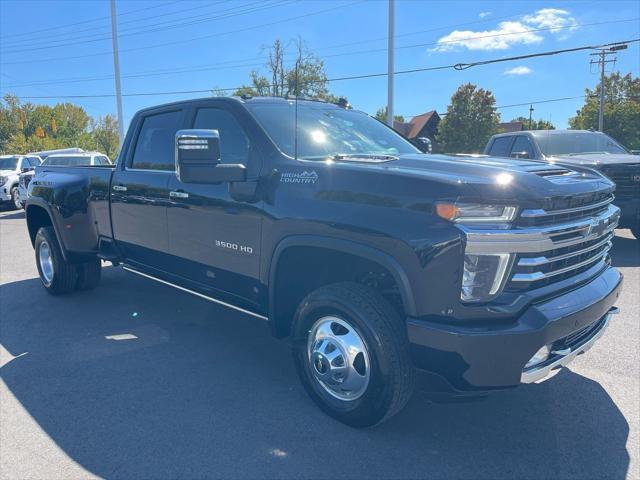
[
  {"x": 475, "y": 212},
  {"x": 483, "y": 276},
  {"x": 3, "y": 180}
]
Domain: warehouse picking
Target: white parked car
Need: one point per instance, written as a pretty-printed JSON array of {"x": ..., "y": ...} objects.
[
  {"x": 10, "y": 168},
  {"x": 70, "y": 159}
]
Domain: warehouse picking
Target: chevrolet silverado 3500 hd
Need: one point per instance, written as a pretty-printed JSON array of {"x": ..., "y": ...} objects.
[{"x": 382, "y": 266}]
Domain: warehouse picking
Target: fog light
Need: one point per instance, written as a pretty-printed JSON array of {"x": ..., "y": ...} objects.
[{"x": 538, "y": 357}]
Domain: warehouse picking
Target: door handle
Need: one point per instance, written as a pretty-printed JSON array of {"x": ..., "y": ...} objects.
[
  {"x": 119, "y": 188},
  {"x": 178, "y": 195}
]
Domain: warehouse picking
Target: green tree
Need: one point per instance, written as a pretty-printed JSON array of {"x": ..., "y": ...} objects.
[
  {"x": 304, "y": 76},
  {"x": 381, "y": 114},
  {"x": 470, "y": 121},
  {"x": 105, "y": 134},
  {"x": 621, "y": 109},
  {"x": 535, "y": 124}
]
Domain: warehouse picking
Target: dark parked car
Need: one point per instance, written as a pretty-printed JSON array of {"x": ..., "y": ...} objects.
[
  {"x": 580, "y": 147},
  {"x": 381, "y": 265}
]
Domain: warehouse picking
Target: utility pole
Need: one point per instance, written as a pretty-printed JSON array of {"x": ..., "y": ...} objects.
[
  {"x": 530, "y": 112},
  {"x": 601, "y": 62},
  {"x": 390, "y": 74},
  {"x": 116, "y": 69}
]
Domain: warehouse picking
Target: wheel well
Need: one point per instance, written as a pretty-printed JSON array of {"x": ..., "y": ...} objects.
[
  {"x": 37, "y": 217},
  {"x": 300, "y": 270}
]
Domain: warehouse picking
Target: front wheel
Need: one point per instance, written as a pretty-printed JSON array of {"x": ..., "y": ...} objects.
[
  {"x": 352, "y": 354},
  {"x": 15, "y": 198},
  {"x": 56, "y": 274}
]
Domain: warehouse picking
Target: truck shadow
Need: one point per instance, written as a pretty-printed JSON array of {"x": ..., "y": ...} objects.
[
  {"x": 136, "y": 380},
  {"x": 625, "y": 251}
]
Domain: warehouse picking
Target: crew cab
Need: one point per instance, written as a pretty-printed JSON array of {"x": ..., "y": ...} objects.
[
  {"x": 584, "y": 148},
  {"x": 383, "y": 267},
  {"x": 10, "y": 168}
]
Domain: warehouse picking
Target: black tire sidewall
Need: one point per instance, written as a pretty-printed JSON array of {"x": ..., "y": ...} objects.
[
  {"x": 372, "y": 406},
  {"x": 62, "y": 273}
]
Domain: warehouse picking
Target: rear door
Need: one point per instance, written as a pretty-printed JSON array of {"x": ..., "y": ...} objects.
[
  {"x": 215, "y": 239},
  {"x": 140, "y": 189}
]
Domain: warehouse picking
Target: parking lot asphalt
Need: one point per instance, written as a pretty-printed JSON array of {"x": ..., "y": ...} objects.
[{"x": 137, "y": 380}]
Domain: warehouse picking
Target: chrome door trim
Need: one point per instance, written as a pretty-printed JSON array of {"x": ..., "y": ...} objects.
[
  {"x": 119, "y": 188},
  {"x": 197, "y": 294}
]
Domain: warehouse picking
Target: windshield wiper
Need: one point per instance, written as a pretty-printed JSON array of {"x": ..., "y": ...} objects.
[{"x": 365, "y": 157}]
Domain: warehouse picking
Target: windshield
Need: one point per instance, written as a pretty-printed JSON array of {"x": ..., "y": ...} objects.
[
  {"x": 67, "y": 160},
  {"x": 9, "y": 163},
  {"x": 325, "y": 131},
  {"x": 570, "y": 143}
]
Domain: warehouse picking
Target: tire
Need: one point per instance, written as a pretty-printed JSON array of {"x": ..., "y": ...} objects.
[
  {"x": 15, "y": 203},
  {"x": 342, "y": 315},
  {"x": 57, "y": 276},
  {"x": 88, "y": 274}
]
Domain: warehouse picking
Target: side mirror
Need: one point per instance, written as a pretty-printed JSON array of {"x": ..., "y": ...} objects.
[
  {"x": 519, "y": 154},
  {"x": 198, "y": 159}
]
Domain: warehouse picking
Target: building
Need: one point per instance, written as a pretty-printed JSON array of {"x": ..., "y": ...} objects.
[
  {"x": 425, "y": 125},
  {"x": 508, "y": 127}
]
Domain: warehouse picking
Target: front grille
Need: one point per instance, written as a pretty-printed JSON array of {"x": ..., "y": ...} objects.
[
  {"x": 627, "y": 179},
  {"x": 564, "y": 210},
  {"x": 574, "y": 247}
]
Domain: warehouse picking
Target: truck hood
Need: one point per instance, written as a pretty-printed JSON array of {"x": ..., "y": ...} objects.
[
  {"x": 501, "y": 179},
  {"x": 7, "y": 172},
  {"x": 595, "y": 160}
]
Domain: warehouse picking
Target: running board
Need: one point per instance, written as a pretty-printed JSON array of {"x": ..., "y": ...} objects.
[{"x": 197, "y": 294}]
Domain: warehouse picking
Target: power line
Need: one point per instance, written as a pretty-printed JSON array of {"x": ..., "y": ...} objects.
[
  {"x": 456, "y": 66},
  {"x": 135, "y": 20},
  {"x": 156, "y": 27},
  {"x": 177, "y": 42},
  {"x": 214, "y": 66},
  {"x": 33, "y": 32}
]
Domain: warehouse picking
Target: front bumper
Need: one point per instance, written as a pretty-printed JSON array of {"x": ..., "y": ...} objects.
[
  {"x": 488, "y": 356},
  {"x": 5, "y": 193}
]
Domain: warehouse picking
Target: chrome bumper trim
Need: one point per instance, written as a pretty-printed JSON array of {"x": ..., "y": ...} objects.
[{"x": 536, "y": 374}]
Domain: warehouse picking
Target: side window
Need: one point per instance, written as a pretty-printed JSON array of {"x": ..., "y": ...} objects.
[
  {"x": 500, "y": 146},
  {"x": 34, "y": 161},
  {"x": 102, "y": 160},
  {"x": 522, "y": 146},
  {"x": 155, "y": 148},
  {"x": 234, "y": 144}
]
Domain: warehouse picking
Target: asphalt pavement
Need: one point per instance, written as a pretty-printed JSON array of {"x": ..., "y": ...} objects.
[{"x": 138, "y": 380}]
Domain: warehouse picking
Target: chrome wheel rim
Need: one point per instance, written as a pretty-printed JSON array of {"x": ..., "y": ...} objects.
[
  {"x": 46, "y": 263},
  {"x": 15, "y": 195},
  {"x": 338, "y": 358}
]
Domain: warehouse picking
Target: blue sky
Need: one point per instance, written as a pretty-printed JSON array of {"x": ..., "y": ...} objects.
[{"x": 349, "y": 35}]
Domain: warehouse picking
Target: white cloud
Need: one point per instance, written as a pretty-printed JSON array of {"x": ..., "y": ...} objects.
[
  {"x": 484, "y": 14},
  {"x": 518, "y": 71},
  {"x": 510, "y": 33}
]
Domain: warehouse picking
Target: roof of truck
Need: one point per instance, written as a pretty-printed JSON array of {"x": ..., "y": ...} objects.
[{"x": 243, "y": 99}]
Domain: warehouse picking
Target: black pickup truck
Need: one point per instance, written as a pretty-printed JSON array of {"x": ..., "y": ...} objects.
[{"x": 385, "y": 268}]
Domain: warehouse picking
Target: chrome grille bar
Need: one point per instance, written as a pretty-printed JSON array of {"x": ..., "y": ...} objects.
[
  {"x": 536, "y": 276},
  {"x": 538, "y": 261},
  {"x": 536, "y": 213}
]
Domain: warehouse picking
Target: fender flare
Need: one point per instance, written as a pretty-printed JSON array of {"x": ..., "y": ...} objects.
[
  {"x": 343, "y": 246},
  {"x": 38, "y": 202}
]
